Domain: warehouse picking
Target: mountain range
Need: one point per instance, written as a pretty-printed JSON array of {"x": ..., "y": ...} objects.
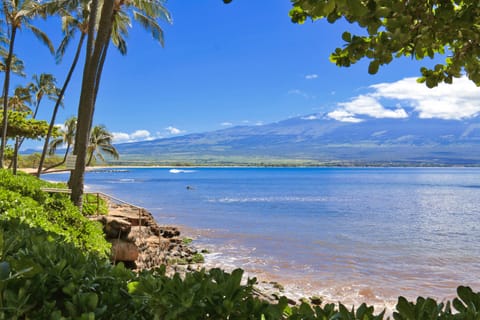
[{"x": 318, "y": 139}]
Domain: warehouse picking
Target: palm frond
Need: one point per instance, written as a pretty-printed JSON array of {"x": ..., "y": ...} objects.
[
  {"x": 150, "y": 25},
  {"x": 42, "y": 37},
  {"x": 154, "y": 9},
  {"x": 110, "y": 150},
  {"x": 121, "y": 22},
  {"x": 53, "y": 146},
  {"x": 64, "y": 44},
  {"x": 121, "y": 44}
]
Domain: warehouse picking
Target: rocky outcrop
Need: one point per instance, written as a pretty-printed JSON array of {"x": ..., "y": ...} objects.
[{"x": 139, "y": 242}]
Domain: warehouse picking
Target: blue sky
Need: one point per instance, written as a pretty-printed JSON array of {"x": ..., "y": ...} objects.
[{"x": 237, "y": 64}]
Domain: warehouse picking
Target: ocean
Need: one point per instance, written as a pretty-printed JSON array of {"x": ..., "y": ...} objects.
[{"x": 345, "y": 234}]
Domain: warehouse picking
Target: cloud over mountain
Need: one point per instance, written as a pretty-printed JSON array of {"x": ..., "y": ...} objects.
[{"x": 450, "y": 102}]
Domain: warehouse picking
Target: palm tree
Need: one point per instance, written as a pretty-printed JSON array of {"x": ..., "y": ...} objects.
[
  {"x": 43, "y": 85},
  {"x": 67, "y": 136},
  {"x": 21, "y": 99},
  {"x": 100, "y": 142},
  {"x": 73, "y": 20},
  {"x": 147, "y": 12},
  {"x": 17, "y": 66},
  {"x": 18, "y": 14}
]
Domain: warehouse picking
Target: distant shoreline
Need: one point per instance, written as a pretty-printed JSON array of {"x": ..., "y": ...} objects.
[
  {"x": 222, "y": 166},
  {"x": 115, "y": 166}
]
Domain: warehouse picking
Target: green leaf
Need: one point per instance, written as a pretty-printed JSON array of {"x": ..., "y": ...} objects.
[
  {"x": 4, "y": 270},
  {"x": 373, "y": 67},
  {"x": 405, "y": 309},
  {"x": 329, "y": 7},
  {"x": 357, "y": 8},
  {"x": 91, "y": 300},
  {"x": 347, "y": 36}
]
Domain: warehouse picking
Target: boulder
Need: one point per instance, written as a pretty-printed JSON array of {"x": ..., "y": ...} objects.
[
  {"x": 117, "y": 228},
  {"x": 123, "y": 250},
  {"x": 114, "y": 227}
]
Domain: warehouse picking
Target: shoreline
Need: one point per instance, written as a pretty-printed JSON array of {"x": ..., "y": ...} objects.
[
  {"x": 172, "y": 244},
  {"x": 271, "y": 281},
  {"x": 340, "y": 292}
]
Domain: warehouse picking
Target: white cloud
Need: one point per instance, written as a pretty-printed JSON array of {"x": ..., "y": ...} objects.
[
  {"x": 310, "y": 117},
  {"x": 120, "y": 137},
  {"x": 369, "y": 106},
  {"x": 456, "y": 101},
  {"x": 141, "y": 135},
  {"x": 226, "y": 124},
  {"x": 344, "y": 116},
  {"x": 138, "y": 135},
  {"x": 311, "y": 76},
  {"x": 173, "y": 130}
]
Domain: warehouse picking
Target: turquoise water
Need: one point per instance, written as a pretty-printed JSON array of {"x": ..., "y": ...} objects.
[{"x": 350, "y": 234}]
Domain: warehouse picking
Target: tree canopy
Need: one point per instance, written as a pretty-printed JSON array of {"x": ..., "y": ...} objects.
[
  {"x": 415, "y": 28},
  {"x": 19, "y": 125}
]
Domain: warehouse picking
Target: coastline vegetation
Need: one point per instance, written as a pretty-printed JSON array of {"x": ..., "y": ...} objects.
[
  {"x": 54, "y": 265},
  {"x": 126, "y": 162}
]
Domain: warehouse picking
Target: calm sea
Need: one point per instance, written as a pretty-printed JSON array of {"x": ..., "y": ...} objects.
[{"x": 349, "y": 234}]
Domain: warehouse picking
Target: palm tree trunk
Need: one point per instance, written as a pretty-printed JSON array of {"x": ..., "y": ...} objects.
[
  {"x": 6, "y": 88},
  {"x": 90, "y": 157},
  {"x": 57, "y": 105},
  {"x": 34, "y": 116},
  {"x": 15, "y": 155},
  {"x": 93, "y": 69},
  {"x": 61, "y": 162}
]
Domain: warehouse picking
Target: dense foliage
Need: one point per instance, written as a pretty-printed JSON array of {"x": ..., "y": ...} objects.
[
  {"x": 20, "y": 125},
  {"x": 21, "y": 197},
  {"x": 416, "y": 28},
  {"x": 32, "y": 160},
  {"x": 44, "y": 277}
]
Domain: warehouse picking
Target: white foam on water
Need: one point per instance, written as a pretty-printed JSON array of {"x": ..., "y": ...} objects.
[
  {"x": 175, "y": 171},
  {"x": 268, "y": 199}
]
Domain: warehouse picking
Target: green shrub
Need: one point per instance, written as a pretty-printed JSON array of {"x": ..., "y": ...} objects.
[
  {"x": 93, "y": 205},
  {"x": 42, "y": 276},
  {"x": 198, "y": 258},
  {"x": 212, "y": 294},
  {"x": 187, "y": 241},
  {"x": 23, "y": 184},
  {"x": 21, "y": 197},
  {"x": 45, "y": 277}
]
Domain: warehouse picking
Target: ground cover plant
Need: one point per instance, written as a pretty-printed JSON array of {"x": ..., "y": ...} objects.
[
  {"x": 21, "y": 197},
  {"x": 53, "y": 266}
]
